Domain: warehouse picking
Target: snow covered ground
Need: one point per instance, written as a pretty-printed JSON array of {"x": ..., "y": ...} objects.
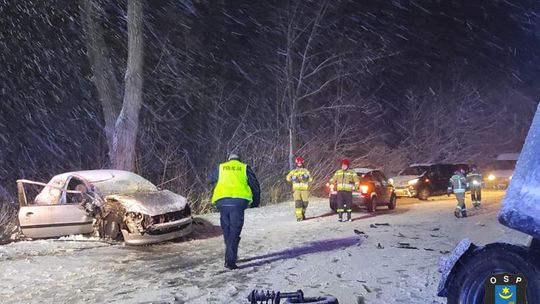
[{"x": 320, "y": 256}]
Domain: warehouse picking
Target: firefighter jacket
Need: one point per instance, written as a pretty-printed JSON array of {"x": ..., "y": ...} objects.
[
  {"x": 345, "y": 180},
  {"x": 300, "y": 178},
  {"x": 458, "y": 183},
  {"x": 474, "y": 179}
]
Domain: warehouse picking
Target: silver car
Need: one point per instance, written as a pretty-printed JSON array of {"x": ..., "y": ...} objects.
[{"x": 117, "y": 204}]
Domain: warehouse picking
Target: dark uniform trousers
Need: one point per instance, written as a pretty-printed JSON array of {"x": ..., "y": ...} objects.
[
  {"x": 476, "y": 194},
  {"x": 231, "y": 212},
  {"x": 344, "y": 201}
]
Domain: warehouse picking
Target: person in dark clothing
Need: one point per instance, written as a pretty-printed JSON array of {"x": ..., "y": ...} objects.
[
  {"x": 474, "y": 180},
  {"x": 236, "y": 189}
]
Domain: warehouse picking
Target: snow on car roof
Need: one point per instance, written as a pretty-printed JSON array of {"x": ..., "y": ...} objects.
[
  {"x": 421, "y": 165},
  {"x": 112, "y": 181},
  {"x": 508, "y": 156},
  {"x": 363, "y": 170}
]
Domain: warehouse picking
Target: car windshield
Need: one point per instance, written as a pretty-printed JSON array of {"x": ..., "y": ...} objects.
[{"x": 417, "y": 170}]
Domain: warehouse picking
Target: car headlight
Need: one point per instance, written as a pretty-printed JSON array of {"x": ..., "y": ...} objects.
[
  {"x": 391, "y": 181},
  {"x": 475, "y": 182},
  {"x": 412, "y": 182},
  {"x": 491, "y": 177}
]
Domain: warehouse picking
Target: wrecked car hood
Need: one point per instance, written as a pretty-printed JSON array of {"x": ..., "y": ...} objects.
[
  {"x": 402, "y": 180},
  {"x": 151, "y": 203}
]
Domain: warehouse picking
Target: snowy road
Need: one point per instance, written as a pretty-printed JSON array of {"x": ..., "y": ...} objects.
[{"x": 320, "y": 256}]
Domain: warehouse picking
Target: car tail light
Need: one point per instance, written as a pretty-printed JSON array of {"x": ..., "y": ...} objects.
[{"x": 364, "y": 189}]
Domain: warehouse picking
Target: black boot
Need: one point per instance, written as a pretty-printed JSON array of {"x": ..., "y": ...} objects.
[
  {"x": 349, "y": 216},
  {"x": 463, "y": 213},
  {"x": 340, "y": 216}
]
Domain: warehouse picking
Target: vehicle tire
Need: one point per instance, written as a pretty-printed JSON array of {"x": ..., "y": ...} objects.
[
  {"x": 423, "y": 193},
  {"x": 110, "y": 227},
  {"x": 392, "y": 202},
  {"x": 467, "y": 282},
  {"x": 371, "y": 205},
  {"x": 316, "y": 300}
]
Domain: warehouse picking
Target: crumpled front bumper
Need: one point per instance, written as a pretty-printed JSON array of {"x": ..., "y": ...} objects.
[
  {"x": 405, "y": 192},
  {"x": 158, "y": 233}
]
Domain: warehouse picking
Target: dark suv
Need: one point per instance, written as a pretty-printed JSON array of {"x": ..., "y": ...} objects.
[
  {"x": 375, "y": 190},
  {"x": 424, "y": 180}
]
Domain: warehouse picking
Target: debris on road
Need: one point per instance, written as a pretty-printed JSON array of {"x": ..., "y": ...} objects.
[{"x": 366, "y": 288}]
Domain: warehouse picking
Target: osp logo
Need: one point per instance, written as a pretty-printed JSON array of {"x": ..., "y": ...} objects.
[{"x": 505, "y": 289}]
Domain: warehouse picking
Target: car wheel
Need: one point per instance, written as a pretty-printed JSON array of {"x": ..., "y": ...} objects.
[
  {"x": 467, "y": 284},
  {"x": 423, "y": 193},
  {"x": 392, "y": 202},
  {"x": 110, "y": 227},
  {"x": 317, "y": 300},
  {"x": 371, "y": 205}
]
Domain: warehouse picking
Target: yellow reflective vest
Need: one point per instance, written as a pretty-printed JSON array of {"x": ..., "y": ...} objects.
[
  {"x": 232, "y": 182},
  {"x": 298, "y": 178},
  {"x": 345, "y": 180}
]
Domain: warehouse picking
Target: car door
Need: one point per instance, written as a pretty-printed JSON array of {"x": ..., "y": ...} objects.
[{"x": 55, "y": 218}]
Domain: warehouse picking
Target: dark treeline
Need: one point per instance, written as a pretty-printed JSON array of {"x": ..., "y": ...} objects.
[{"x": 384, "y": 83}]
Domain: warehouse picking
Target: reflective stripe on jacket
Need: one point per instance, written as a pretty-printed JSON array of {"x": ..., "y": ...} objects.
[
  {"x": 345, "y": 180},
  {"x": 458, "y": 183},
  {"x": 300, "y": 178},
  {"x": 232, "y": 182}
]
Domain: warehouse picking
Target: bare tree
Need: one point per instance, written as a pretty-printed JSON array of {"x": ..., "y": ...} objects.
[
  {"x": 102, "y": 69},
  {"x": 121, "y": 118},
  {"x": 127, "y": 124}
]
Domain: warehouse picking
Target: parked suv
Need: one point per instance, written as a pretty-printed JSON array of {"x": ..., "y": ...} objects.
[
  {"x": 424, "y": 180},
  {"x": 375, "y": 190}
]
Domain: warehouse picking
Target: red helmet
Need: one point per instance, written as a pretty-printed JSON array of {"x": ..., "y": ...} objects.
[
  {"x": 299, "y": 160},
  {"x": 345, "y": 162}
]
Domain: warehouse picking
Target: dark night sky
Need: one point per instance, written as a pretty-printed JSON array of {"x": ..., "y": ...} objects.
[{"x": 196, "y": 49}]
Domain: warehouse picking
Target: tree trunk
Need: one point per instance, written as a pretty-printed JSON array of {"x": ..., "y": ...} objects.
[
  {"x": 127, "y": 124},
  {"x": 103, "y": 73}
]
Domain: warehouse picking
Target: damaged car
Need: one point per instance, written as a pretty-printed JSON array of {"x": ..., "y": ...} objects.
[{"x": 115, "y": 204}]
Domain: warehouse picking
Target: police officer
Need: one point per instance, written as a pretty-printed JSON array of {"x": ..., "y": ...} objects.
[
  {"x": 300, "y": 178},
  {"x": 346, "y": 181},
  {"x": 236, "y": 188},
  {"x": 474, "y": 178},
  {"x": 458, "y": 185}
]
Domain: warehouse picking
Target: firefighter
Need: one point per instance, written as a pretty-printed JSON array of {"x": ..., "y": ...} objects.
[
  {"x": 300, "y": 179},
  {"x": 474, "y": 178},
  {"x": 458, "y": 185},
  {"x": 236, "y": 189},
  {"x": 346, "y": 181}
]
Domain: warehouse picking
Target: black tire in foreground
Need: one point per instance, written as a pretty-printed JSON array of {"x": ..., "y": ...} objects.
[
  {"x": 316, "y": 300},
  {"x": 467, "y": 283}
]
